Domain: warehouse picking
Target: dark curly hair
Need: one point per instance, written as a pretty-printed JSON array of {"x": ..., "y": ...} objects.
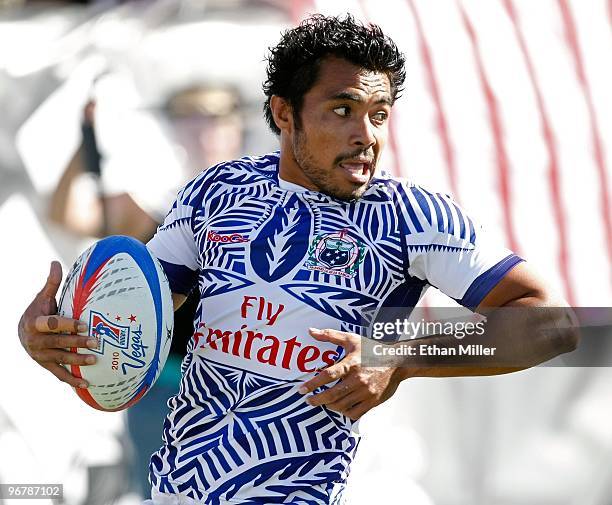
[{"x": 293, "y": 64}]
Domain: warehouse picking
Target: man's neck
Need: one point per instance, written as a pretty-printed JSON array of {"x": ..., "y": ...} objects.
[{"x": 290, "y": 171}]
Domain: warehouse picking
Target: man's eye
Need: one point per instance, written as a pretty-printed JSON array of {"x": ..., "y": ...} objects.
[
  {"x": 380, "y": 117},
  {"x": 342, "y": 111}
]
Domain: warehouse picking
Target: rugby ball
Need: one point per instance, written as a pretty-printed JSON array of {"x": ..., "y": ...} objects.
[{"x": 119, "y": 288}]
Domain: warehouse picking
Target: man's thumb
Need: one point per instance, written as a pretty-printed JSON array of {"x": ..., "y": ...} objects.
[{"x": 53, "y": 280}]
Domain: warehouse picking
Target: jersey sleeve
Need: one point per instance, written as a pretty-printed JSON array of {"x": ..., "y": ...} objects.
[
  {"x": 449, "y": 250},
  {"x": 174, "y": 246}
]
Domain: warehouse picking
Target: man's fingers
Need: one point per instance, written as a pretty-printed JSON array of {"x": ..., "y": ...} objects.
[
  {"x": 46, "y": 341},
  {"x": 49, "y": 356},
  {"x": 58, "y": 324},
  {"x": 53, "y": 280},
  {"x": 65, "y": 376},
  {"x": 359, "y": 410},
  {"x": 331, "y": 374},
  {"x": 347, "y": 403},
  {"x": 341, "y": 338},
  {"x": 334, "y": 394}
]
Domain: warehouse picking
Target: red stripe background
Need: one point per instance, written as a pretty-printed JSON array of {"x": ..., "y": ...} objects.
[
  {"x": 553, "y": 164},
  {"x": 571, "y": 36}
]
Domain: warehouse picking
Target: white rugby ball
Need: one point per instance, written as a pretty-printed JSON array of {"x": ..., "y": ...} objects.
[{"x": 119, "y": 288}]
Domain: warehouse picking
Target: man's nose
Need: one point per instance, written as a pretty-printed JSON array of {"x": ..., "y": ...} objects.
[{"x": 363, "y": 134}]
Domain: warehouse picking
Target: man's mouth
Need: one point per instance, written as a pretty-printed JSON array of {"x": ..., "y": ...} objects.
[{"x": 356, "y": 171}]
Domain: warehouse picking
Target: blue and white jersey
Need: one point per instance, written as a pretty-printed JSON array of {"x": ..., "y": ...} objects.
[{"x": 272, "y": 259}]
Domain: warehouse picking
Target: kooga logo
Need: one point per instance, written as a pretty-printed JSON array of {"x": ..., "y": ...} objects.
[{"x": 226, "y": 238}]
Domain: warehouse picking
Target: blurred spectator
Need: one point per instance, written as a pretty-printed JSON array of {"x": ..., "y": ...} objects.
[
  {"x": 207, "y": 123},
  {"x": 207, "y": 128}
]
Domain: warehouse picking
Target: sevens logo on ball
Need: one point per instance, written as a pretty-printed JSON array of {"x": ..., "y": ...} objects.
[
  {"x": 121, "y": 337},
  {"x": 107, "y": 331}
]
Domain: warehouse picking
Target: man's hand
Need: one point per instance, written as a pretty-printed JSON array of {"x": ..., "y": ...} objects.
[
  {"x": 360, "y": 388},
  {"x": 45, "y": 336}
]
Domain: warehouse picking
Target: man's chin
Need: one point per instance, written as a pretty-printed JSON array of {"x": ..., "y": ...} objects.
[
  {"x": 338, "y": 187},
  {"x": 348, "y": 194}
]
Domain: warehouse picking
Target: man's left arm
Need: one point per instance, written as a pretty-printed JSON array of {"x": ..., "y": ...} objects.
[
  {"x": 541, "y": 329},
  {"x": 536, "y": 327}
]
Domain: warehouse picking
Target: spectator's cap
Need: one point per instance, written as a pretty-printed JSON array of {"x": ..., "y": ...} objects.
[{"x": 205, "y": 101}]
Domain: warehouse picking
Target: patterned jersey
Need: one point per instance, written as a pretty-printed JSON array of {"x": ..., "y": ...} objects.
[{"x": 272, "y": 259}]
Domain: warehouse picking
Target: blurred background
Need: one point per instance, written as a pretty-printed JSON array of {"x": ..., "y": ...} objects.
[{"x": 108, "y": 107}]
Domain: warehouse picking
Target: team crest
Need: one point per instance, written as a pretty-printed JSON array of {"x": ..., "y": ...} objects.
[
  {"x": 105, "y": 330},
  {"x": 335, "y": 254}
]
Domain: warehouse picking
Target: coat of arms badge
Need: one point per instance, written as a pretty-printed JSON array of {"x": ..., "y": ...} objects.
[{"x": 336, "y": 254}]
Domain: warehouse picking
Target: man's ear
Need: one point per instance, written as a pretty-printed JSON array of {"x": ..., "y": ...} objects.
[{"x": 282, "y": 113}]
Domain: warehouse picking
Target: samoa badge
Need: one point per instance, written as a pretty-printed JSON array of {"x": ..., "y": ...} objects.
[{"x": 336, "y": 254}]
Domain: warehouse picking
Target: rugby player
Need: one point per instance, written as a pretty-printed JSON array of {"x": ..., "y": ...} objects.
[{"x": 289, "y": 250}]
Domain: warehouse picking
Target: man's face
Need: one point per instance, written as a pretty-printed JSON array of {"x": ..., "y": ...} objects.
[{"x": 343, "y": 128}]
